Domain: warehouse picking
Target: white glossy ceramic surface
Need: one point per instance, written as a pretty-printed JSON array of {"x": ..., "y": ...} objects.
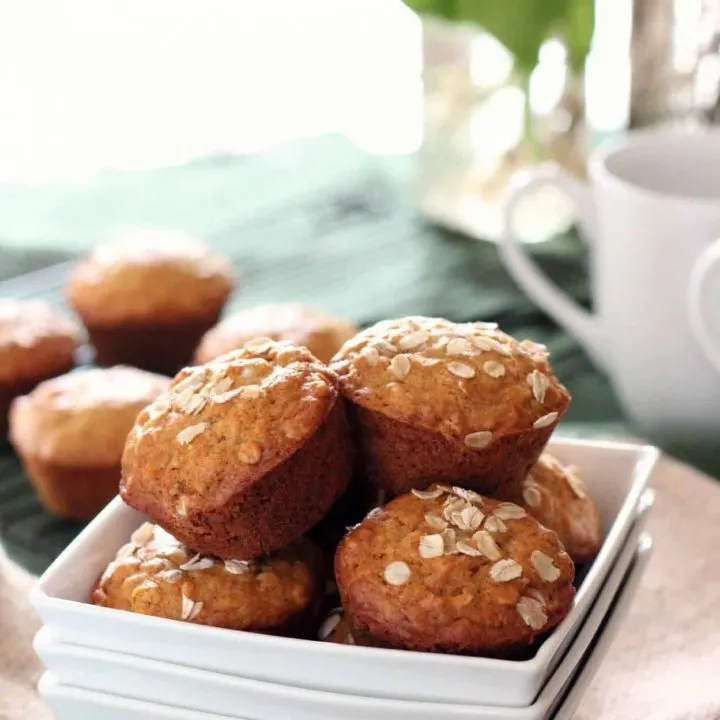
[
  {"x": 224, "y": 696},
  {"x": 68, "y": 703},
  {"x": 615, "y": 475}
]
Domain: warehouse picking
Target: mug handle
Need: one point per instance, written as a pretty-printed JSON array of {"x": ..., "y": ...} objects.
[
  {"x": 566, "y": 312},
  {"x": 700, "y": 281}
]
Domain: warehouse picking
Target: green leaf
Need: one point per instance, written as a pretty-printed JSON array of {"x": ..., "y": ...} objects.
[
  {"x": 521, "y": 25},
  {"x": 578, "y": 31},
  {"x": 439, "y": 8}
]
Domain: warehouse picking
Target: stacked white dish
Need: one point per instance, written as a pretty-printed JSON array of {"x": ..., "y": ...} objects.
[{"x": 125, "y": 665}]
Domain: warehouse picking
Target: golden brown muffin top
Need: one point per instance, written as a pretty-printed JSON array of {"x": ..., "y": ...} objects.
[
  {"x": 224, "y": 424},
  {"x": 555, "y": 495},
  {"x": 83, "y": 417},
  {"x": 470, "y": 382},
  {"x": 150, "y": 275},
  {"x": 34, "y": 339},
  {"x": 321, "y": 334},
  {"x": 448, "y": 567},
  {"x": 154, "y": 574}
]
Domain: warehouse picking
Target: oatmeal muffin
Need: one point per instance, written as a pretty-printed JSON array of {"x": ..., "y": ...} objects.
[
  {"x": 147, "y": 298},
  {"x": 36, "y": 343},
  {"x": 436, "y": 401},
  {"x": 447, "y": 570},
  {"x": 335, "y": 628},
  {"x": 242, "y": 454},
  {"x": 154, "y": 574},
  {"x": 71, "y": 430},
  {"x": 555, "y": 496},
  {"x": 323, "y": 335}
]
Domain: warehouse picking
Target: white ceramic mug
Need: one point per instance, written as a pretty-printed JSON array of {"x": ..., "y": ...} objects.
[{"x": 651, "y": 215}]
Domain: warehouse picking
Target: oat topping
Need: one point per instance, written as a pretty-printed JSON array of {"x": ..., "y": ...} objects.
[
  {"x": 483, "y": 344},
  {"x": 397, "y": 573},
  {"x": 487, "y": 545},
  {"x": 237, "y": 567},
  {"x": 259, "y": 345},
  {"x": 453, "y": 506},
  {"x": 400, "y": 366},
  {"x": 470, "y": 495},
  {"x": 457, "y": 346},
  {"x": 190, "y": 609},
  {"x": 536, "y": 594},
  {"x": 413, "y": 340},
  {"x": 224, "y": 397},
  {"x": 544, "y": 565},
  {"x": 450, "y": 541},
  {"x": 509, "y": 511},
  {"x": 127, "y": 550},
  {"x": 495, "y": 524},
  {"x": 467, "y": 549},
  {"x": 534, "y": 348},
  {"x": 431, "y": 546},
  {"x": 189, "y": 433},
  {"x": 505, "y": 570},
  {"x": 531, "y": 493},
  {"x": 330, "y": 623},
  {"x": 461, "y": 370},
  {"x": 532, "y": 612},
  {"x": 435, "y": 521},
  {"x": 574, "y": 481},
  {"x": 539, "y": 384},
  {"x": 478, "y": 440},
  {"x": 371, "y": 354},
  {"x": 545, "y": 420},
  {"x": 427, "y": 494},
  {"x": 198, "y": 563},
  {"x": 177, "y": 554},
  {"x": 385, "y": 346},
  {"x": 494, "y": 369},
  {"x": 170, "y": 576},
  {"x": 469, "y": 519},
  {"x": 144, "y": 534}
]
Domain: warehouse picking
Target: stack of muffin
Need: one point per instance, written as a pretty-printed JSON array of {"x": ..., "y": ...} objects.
[
  {"x": 148, "y": 301},
  {"x": 243, "y": 457}
]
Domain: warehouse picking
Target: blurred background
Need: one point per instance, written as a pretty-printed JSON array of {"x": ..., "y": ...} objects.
[{"x": 91, "y": 85}]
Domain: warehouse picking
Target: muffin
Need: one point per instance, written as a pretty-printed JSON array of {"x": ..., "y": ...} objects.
[
  {"x": 241, "y": 455},
  {"x": 147, "y": 298},
  {"x": 36, "y": 343},
  {"x": 555, "y": 496},
  {"x": 323, "y": 335},
  {"x": 435, "y": 401},
  {"x": 154, "y": 574},
  {"x": 335, "y": 628},
  {"x": 447, "y": 570},
  {"x": 71, "y": 430}
]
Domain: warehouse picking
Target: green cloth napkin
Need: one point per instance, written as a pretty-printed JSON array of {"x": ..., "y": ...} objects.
[{"x": 319, "y": 222}]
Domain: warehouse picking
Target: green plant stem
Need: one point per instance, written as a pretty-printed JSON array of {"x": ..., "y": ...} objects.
[{"x": 531, "y": 139}]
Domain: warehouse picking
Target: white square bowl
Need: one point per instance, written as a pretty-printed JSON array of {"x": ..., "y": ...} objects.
[
  {"x": 615, "y": 475},
  {"x": 86, "y": 683}
]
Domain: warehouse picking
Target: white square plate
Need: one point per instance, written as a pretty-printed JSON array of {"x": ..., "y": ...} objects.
[
  {"x": 149, "y": 683},
  {"x": 615, "y": 475}
]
